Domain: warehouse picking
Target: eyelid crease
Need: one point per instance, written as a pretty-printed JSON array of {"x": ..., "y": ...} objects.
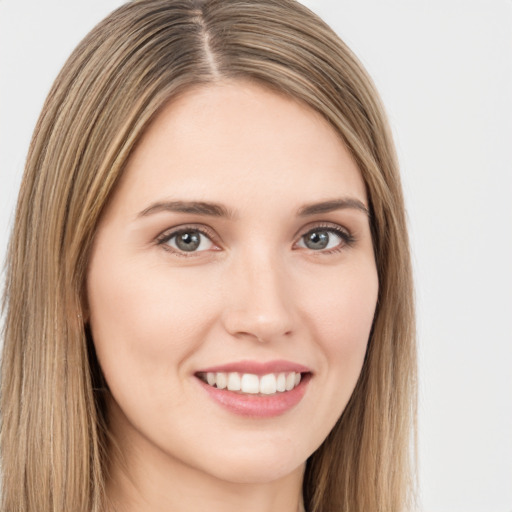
[
  {"x": 327, "y": 225},
  {"x": 170, "y": 233},
  {"x": 348, "y": 238}
]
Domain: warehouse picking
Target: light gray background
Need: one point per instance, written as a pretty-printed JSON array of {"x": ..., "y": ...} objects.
[{"x": 444, "y": 70}]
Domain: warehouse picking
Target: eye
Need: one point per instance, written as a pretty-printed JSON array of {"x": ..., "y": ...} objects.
[
  {"x": 189, "y": 240},
  {"x": 327, "y": 239}
]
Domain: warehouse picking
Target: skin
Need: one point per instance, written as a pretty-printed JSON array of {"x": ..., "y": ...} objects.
[{"x": 253, "y": 290}]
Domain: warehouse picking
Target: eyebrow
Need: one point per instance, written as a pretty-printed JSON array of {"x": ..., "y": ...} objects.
[
  {"x": 194, "y": 207},
  {"x": 218, "y": 210},
  {"x": 333, "y": 205}
]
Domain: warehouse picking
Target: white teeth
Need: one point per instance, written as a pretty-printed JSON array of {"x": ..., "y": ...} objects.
[
  {"x": 222, "y": 380},
  {"x": 233, "y": 381},
  {"x": 281, "y": 382},
  {"x": 253, "y": 384},
  {"x": 250, "y": 383},
  {"x": 290, "y": 381},
  {"x": 268, "y": 385}
]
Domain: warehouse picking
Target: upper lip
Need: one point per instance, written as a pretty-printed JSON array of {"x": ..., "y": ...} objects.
[{"x": 257, "y": 367}]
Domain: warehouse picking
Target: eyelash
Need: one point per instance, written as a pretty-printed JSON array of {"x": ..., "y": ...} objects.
[
  {"x": 168, "y": 235},
  {"x": 347, "y": 238}
]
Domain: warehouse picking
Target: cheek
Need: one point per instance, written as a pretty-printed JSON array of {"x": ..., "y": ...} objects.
[
  {"x": 343, "y": 314},
  {"x": 144, "y": 323},
  {"x": 342, "y": 320}
]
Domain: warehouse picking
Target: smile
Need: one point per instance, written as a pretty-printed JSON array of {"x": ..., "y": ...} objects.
[
  {"x": 249, "y": 383},
  {"x": 255, "y": 389}
]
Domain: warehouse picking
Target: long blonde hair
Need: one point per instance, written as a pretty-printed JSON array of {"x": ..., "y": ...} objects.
[{"x": 54, "y": 434}]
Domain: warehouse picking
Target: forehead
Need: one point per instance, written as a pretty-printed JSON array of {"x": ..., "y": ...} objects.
[{"x": 239, "y": 141}]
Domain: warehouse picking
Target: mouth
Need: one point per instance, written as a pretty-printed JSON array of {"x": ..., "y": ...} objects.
[
  {"x": 252, "y": 384},
  {"x": 257, "y": 390}
]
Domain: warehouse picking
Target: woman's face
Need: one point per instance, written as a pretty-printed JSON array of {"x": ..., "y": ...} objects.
[{"x": 235, "y": 252}]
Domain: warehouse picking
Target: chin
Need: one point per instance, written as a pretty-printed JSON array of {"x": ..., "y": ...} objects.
[
  {"x": 256, "y": 472},
  {"x": 256, "y": 464}
]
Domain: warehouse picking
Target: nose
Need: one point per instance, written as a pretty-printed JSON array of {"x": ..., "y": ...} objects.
[{"x": 259, "y": 304}]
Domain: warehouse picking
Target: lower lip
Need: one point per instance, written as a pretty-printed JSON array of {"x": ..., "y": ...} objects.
[{"x": 258, "y": 406}]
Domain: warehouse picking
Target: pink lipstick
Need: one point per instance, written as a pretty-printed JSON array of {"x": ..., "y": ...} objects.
[{"x": 256, "y": 389}]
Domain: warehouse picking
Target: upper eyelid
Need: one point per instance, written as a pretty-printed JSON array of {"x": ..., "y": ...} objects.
[
  {"x": 346, "y": 235},
  {"x": 211, "y": 234},
  {"x": 327, "y": 225},
  {"x": 203, "y": 229},
  {"x": 165, "y": 236},
  {"x": 322, "y": 224}
]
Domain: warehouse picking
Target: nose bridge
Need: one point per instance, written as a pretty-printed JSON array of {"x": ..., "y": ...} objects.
[{"x": 259, "y": 302}]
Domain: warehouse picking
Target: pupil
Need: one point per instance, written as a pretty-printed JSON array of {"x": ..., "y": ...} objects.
[
  {"x": 188, "y": 241},
  {"x": 317, "y": 240}
]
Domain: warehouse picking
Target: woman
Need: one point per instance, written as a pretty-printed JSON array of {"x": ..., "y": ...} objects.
[{"x": 209, "y": 299}]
